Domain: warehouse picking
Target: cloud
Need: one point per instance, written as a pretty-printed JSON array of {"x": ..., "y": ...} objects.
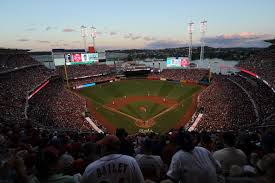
[
  {"x": 132, "y": 36},
  {"x": 48, "y": 28},
  {"x": 148, "y": 38},
  {"x": 23, "y": 40},
  {"x": 43, "y": 41},
  {"x": 68, "y": 30},
  {"x": 161, "y": 44},
  {"x": 243, "y": 39}
]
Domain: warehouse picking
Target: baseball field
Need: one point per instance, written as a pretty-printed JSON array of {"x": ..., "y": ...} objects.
[{"x": 138, "y": 105}]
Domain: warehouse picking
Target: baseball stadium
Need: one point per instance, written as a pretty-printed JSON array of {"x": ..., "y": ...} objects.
[
  {"x": 83, "y": 102},
  {"x": 139, "y": 100}
]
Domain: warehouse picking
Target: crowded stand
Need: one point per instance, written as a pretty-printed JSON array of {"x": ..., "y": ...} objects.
[
  {"x": 182, "y": 74},
  {"x": 77, "y": 71},
  {"x": 45, "y": 138},
  {"x": 38, "y": 155},
  {"x": 226, "y": 107},
  {"x": 15, "y": 60},
  {"x": 55, "y": 106},
  {"x": 263, "y": 64},
  {"x": 261, "y": 94},
  {"x": 15, "y": 86},
  {"x": 104, "y": 78}
]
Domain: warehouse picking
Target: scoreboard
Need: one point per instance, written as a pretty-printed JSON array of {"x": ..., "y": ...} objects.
[
  {"x": 81, "y": 58},
  {"x": 174, "y": 62}
]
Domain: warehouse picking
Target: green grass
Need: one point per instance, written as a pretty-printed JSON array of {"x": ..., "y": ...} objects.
[
  {"x": 167, "y": 120},
  {"x": 118, "y": 120},
  {"x": 106, "y": 93},
  {"x": 152, "y": 109}
]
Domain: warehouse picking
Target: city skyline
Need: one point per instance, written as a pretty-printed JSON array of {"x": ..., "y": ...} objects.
[{"x": 44, "y": 25}]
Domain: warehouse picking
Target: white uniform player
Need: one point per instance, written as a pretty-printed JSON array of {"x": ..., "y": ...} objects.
[{"x": 112, "y": 168}]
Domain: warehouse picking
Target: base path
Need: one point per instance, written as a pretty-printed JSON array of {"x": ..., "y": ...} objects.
[
  {"x": 119, "y": 112},
  {"x": 190, "y": 111},
  {"x": 120, "y": 102},
  {"x": 99, "y": 117}
]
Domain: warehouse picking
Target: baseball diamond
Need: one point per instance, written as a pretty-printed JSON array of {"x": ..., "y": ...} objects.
[{"x": 142, "y": 104}]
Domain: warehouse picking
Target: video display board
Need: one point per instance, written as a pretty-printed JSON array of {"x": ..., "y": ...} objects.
[
  {"x": 177, "y": 62},
  {"x": 81, "y": 58}
]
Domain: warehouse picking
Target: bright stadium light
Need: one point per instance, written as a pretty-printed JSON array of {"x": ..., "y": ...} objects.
[
  {"x": 190, "y": 31},
  {"x": 93, "y": 34},
  {"x": 203, "y": 28},
  {"x": 84, "y": 34}
]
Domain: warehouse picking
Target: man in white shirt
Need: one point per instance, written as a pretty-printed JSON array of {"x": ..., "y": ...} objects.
[
  {"x": 112, "y": 167},
  {"x": 192, "y": 164},
  {"x": 229, "y": 155},
  {"x": 151, "y": 166}
]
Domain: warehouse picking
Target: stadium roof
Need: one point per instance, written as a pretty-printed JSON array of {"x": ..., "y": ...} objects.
[
  {"x": 12, "y": 51},
  {"x": 68, "y": 50},
  {"x": 41, "y": 53}
]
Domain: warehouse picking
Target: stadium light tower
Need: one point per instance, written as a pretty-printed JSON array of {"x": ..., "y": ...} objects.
[
  {"x": 203, "y": 27},
  {"x": 190, "y": 31},
  {"x": 93, "y": 29},
  {"x": 84, "y": 33}
]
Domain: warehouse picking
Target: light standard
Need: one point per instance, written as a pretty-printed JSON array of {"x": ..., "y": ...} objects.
[
  {"x": 190, "y": 31},
  {"x": 84, "y": 33},
  {"x": 203, "y": 28},
  {"x": 93, "y": 29}
]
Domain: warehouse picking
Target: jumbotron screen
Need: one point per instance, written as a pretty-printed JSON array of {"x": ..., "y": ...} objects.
[
  {"x": 177, "y": 62},
  {"x": 81, "y": 58}
]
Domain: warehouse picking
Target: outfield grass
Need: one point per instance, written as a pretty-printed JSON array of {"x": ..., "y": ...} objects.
[
  {"x": 106, "y": 93},
  {"x": 152, "y": 109}
]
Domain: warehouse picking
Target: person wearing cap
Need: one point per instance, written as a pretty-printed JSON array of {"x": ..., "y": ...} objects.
[
  {"x": 112, "y": 167},
  {"x": 191, "y": 163}
]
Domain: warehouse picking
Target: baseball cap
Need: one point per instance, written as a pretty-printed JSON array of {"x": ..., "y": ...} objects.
[{"x": 110, "y": 140}]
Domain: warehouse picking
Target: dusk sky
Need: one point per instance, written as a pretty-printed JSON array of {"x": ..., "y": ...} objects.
[{"x": 127, "y": 24}]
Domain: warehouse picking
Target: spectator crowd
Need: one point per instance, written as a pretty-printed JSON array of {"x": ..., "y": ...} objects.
[
  {"x": 182, "y": 74},
  {"x": 78, "y": 71},
  {"x": 50, "y": 141},
  {"x": 262, "y": 63},
  {"x": 31, "y": 154}
]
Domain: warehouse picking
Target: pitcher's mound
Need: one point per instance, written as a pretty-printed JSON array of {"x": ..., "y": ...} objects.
[{"x": 142, "y": 109}]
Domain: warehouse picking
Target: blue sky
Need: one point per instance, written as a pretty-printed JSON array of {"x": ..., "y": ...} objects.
[{"x": 126, "y": 24}]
